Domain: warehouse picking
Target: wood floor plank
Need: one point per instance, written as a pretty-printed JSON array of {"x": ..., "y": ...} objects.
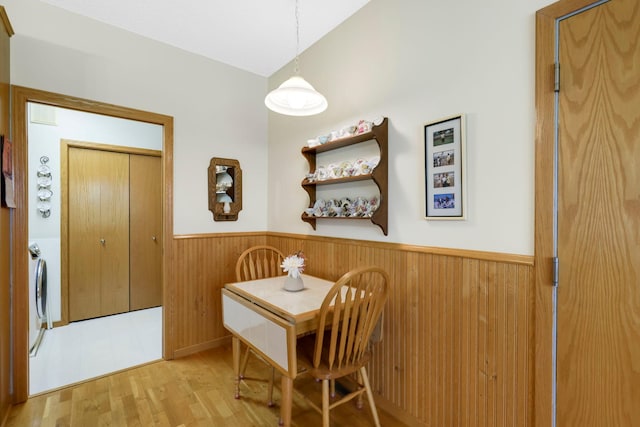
[{"x": 194, "y": 391}]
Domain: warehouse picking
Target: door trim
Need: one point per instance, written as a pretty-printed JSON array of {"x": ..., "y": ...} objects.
[
  {"x": 20, "y": 96},
  {"x": 544, "y": 251}
]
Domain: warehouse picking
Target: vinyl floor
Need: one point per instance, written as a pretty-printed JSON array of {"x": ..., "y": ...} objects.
[{"x": 91, "y": 348}]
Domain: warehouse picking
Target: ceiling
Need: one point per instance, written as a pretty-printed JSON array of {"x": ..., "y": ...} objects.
[{"x": 258, "y": 36}]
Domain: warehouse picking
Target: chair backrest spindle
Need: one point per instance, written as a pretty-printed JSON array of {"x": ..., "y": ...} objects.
[
  {"x": 349, "y": 314},
  {"x": 259, "y": 262}
]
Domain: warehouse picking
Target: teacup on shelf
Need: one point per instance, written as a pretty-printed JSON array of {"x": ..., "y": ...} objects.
[
  {"x": 361, "y": 167},
  {"x": 321, "y": 173},
  {"x": 335, "y": 171},
  {"x": 335, "y": 211},
  {"x": 373, "y": 162},
  {"x": 364, "y": 127},
  {"x": 347, "y": 168},
  {"x": 347, "y": 131}
]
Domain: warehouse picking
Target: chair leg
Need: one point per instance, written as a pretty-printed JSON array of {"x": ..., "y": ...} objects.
[
  {"x": 325, "y": 403},
  {"x": 359, "y": 404},
  {"x": 372, "y": 403},
  {"x": 270, "y": 387},
  {"x": 245, "y": 360},
  {"x": 242, "y": 370}
]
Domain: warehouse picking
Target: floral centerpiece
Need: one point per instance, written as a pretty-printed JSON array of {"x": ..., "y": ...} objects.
[{"x": 293, "y": 265}]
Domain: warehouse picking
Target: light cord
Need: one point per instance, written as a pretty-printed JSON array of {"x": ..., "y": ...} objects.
[{"x": 297, "y": 65}]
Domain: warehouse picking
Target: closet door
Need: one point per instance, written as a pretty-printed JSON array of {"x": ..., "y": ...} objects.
[
  {"x": 146, "y": 231},
  {"x": 98, "y": 233}
]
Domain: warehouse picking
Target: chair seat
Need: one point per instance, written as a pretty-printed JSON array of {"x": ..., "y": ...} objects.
[{"x": 305, "y": 350}]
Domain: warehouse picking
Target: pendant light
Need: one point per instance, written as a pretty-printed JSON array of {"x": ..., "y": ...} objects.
[{"x": 296, "y": 97}]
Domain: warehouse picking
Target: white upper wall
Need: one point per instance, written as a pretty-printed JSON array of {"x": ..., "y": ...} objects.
[
  {"x": 218, "y": 110},
  {"x": 412, "y": 61},
  {"x": 416, "y": 62}
]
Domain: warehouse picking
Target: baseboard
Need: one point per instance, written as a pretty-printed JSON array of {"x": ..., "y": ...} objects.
[
  {"x": 397, "y": 412},
  {"x": 186, "y": 351},
  {"x": 6, "y": 416}
]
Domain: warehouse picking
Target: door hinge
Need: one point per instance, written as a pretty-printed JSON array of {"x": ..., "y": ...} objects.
[
  {"x": 556, "y": 77},
  {"x": 556, "y": 273}
]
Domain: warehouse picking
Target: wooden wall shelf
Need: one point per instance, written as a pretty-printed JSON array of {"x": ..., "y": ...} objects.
[{"x": 379, "y": 175}]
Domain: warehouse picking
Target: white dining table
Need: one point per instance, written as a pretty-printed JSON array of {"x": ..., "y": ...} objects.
[{"x": 269, "y": 319}]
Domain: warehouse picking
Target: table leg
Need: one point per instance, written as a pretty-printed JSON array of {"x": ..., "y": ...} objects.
[
  {"x": 287, "y": 401},
  {"x": 235, "y": 346}
]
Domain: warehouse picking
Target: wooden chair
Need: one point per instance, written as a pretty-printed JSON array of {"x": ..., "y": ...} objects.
[
  {"x": 340, "y": 346},
  {"x": 258, "y": 262}
]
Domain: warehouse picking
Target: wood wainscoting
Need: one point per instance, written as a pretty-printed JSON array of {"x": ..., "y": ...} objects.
[
  {"x": 202, "y": 264},
  {"x": 457, "y": 338}
]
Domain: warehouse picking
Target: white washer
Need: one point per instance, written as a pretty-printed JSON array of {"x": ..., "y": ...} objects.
[{"x": 39, "y": 318}]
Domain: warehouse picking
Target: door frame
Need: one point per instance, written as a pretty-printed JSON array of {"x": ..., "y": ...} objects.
[
  {"x": 20, "y": 96},
  {"x": 544, "y": 240}
]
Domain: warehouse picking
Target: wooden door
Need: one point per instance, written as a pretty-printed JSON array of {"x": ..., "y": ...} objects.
[
  {"x": 145, "y": 232},
  {"x": 7, "y": 327},
  {"x": 98, "y": 233},
  {"x": 598, "y": 329}
]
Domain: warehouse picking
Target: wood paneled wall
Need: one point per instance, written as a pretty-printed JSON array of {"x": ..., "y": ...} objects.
[
  {"x": 457, "y": 341},
  {"x": 203, "y": 264}
]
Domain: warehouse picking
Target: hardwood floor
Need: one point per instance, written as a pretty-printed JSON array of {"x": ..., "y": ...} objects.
[{"x": 196, "y": 390}]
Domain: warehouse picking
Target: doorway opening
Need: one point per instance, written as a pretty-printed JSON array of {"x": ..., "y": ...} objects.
[
  {"x": 21, "y": 98},
  {"x": 64, "y": 214}
]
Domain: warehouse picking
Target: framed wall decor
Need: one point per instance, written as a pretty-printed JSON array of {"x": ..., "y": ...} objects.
[
  {"x": 444, "y": 165},
  {"x": 6, "y": 179},
  {"x": 225, "y": 189}
]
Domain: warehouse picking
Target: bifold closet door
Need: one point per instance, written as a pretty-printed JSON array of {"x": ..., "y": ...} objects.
[
  {"x": 146, "y": 231},
  {"x": 98, "y": 233}
]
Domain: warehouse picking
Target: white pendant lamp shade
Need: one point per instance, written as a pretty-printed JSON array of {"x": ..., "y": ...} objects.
[{"x": 296, "y": 97}]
